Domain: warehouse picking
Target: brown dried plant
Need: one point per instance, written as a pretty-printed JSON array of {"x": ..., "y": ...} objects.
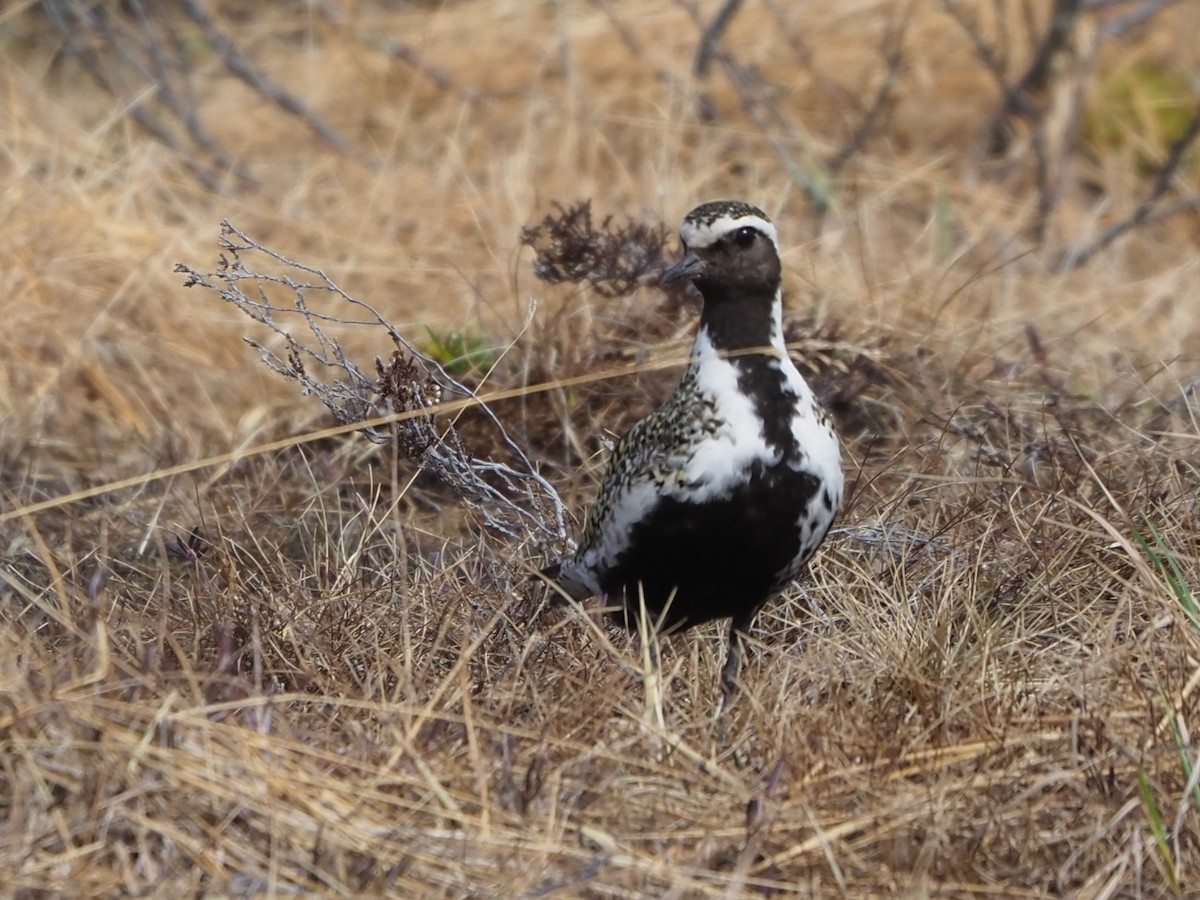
[{"x": 401, "y": 403}]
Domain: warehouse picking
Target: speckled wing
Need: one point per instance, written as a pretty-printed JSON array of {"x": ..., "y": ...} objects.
[{"x": 638, "y": 476}]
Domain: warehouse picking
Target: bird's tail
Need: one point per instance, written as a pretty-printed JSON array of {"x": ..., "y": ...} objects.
[{"x": 560, "y": 587}]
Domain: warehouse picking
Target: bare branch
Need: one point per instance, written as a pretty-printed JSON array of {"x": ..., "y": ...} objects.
[
  {"x": 161, "y": 71},
  {"x": 711, "y": 37},
  {"x": 1021, "y": 98},
  {"x": 509, "y": 498},
  {"x": 893, "y": 55},
  {"x": 239, "y": 65},
  {"x": 997, "y": 65},
  {"x": 407, "y": 54},
  {"x": 635, "y": 47},
  {"x": 1029, "y": 97},
  {"x": 1135, "y": 18},
  {"x": 810, "y": 173},
  {"x": 133, "y": 50},
  {"x": 66, "y": 16},
  {"x": 1147, "y": 211}
]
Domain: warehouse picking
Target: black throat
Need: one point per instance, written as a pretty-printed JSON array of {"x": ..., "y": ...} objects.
[{"x": 736, "y": 319}]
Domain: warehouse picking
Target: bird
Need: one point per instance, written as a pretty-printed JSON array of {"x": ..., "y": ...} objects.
[{"x": 716, "y": 500}]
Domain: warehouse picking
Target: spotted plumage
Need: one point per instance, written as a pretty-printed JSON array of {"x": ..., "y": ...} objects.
[{"x": 719, "y": 497}]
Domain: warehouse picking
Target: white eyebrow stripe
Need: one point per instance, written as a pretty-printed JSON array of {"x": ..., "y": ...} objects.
[{"x": 698, "y": 235}]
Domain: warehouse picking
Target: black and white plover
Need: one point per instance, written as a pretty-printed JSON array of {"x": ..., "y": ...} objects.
[{"x": 718, "y": 498}]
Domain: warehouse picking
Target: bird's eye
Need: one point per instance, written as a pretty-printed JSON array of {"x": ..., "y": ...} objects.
[{"x": 745, "y": 236}]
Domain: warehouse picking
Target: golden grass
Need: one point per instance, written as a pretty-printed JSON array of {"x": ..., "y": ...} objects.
[{"x": 304, "y": 671}]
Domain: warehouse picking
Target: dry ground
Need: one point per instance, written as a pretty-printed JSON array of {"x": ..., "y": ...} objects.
[{"x": 310, "y": 670}]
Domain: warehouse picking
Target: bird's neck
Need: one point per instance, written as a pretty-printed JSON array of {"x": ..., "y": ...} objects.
[{"x": 731, "y": 324}]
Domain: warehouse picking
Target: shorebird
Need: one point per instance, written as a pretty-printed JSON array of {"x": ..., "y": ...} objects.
[{"x": 716, "y": 500}]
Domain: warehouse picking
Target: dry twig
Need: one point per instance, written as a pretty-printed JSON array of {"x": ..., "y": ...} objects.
[
  {"x": 813, "y": 174},
  {"x": 512, "y": 499},
  {"x": 1149, "y": 210},
  {"x": 136, "y": 51}
]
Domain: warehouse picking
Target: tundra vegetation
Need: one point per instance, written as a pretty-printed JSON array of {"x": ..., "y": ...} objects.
[{"x": 270, "y": 628}]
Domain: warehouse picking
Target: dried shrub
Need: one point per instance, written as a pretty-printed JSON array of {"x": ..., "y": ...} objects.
[
  {"x": 509, "y": 498},
  {"x": 613, "y": 259}
]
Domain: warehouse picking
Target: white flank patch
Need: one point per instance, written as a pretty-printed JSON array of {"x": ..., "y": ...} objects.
[
  {"x": 822, "y": 455},
  {"x": 820, "y": 452},
  {"x": 698, "y": 235}
]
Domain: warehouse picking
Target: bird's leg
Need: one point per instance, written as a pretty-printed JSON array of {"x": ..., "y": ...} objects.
[
  {"x": 733, "y": 660},
  {"x": 729, "y": 672}
]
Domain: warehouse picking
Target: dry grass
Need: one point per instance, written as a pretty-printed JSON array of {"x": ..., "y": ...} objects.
[{"x": 308, "y": 670}]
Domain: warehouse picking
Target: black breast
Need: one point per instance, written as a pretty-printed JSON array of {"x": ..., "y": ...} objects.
[{"x": 721, "y": 557}]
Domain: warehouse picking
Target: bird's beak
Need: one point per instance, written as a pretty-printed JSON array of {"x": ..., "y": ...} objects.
[{"x": 688, "y": 267}]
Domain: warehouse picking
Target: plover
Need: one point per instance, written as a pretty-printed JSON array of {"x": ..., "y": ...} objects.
[{"x": 718, "y": 498}]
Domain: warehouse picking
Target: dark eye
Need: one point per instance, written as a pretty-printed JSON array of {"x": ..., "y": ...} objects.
[{"x": 744, "y": 237}]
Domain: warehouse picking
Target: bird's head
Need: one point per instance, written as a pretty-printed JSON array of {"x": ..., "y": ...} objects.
[{"x": 728, "y": 245}]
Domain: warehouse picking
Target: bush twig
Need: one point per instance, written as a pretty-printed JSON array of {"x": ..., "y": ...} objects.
[
  {"x": 134, "y": 50},
  {"x": 1149, "y": 209},
  {"x": 512, "y": 498}
]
